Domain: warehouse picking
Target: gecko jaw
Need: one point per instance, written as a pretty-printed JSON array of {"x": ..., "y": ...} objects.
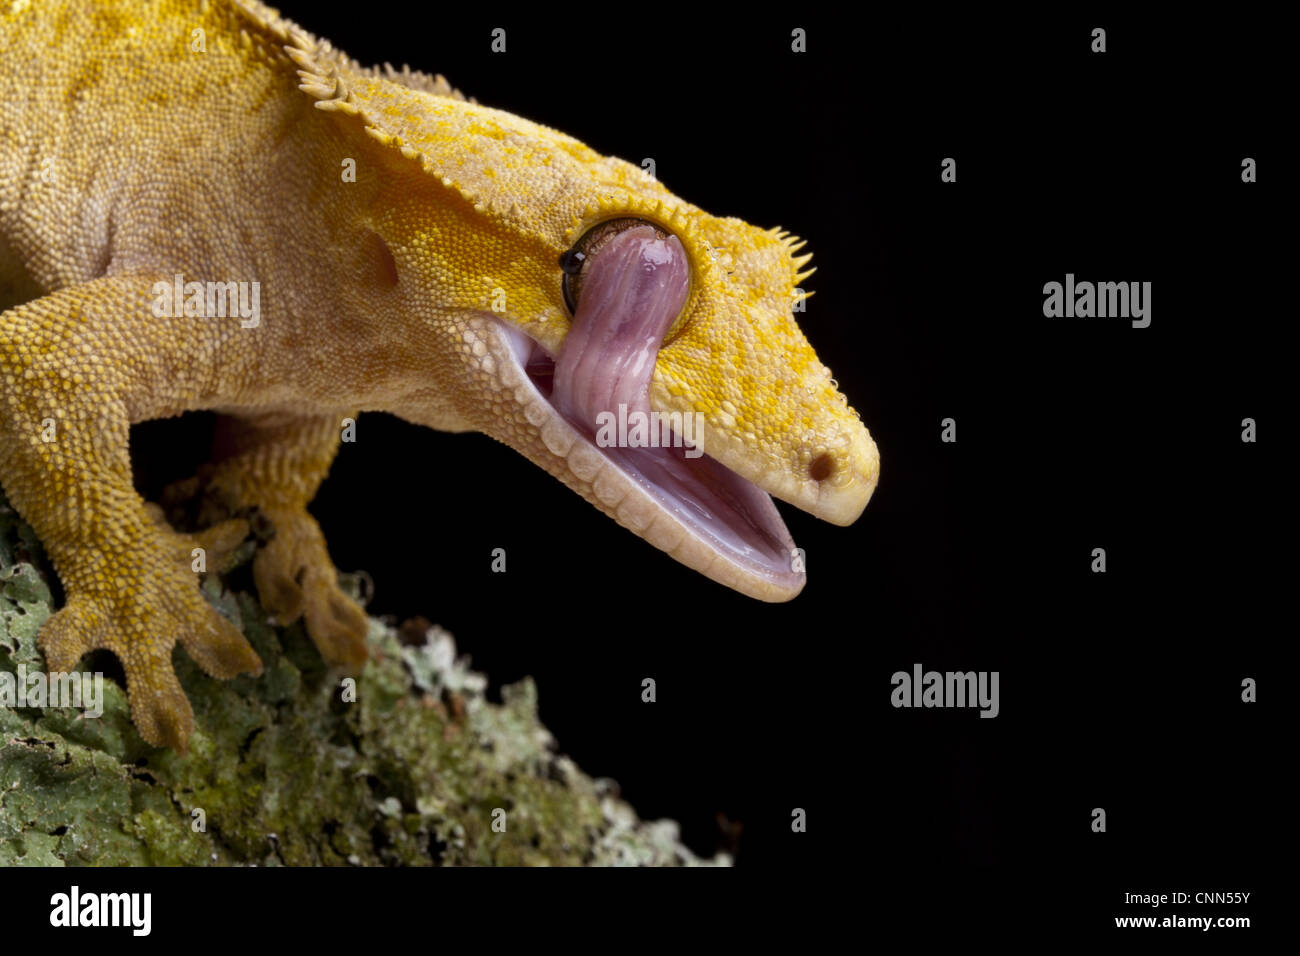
[{"x": 699, "y": 511}]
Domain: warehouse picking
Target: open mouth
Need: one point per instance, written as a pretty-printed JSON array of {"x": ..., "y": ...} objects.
[{"x": 631, "y": 294}]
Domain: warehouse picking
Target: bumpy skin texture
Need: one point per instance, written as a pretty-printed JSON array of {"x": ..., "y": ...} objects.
[{"x": 141, "y": 140}]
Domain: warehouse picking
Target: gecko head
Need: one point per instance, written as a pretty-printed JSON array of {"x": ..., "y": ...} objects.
[
  {"x": 726, "y": 350},
  {"x": 641, "y": 350}
]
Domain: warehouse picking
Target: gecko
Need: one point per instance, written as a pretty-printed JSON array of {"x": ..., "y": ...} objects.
[{"x": 205, "y": 207}]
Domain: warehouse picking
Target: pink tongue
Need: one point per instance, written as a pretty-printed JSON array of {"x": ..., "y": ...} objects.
[{"x": 631, "y": 293}]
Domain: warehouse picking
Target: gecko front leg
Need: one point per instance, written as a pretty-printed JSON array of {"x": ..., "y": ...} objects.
[{"x": 76, "y": 366}]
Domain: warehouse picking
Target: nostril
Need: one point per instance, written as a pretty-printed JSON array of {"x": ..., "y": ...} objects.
[{"x": 821, "y": 468}]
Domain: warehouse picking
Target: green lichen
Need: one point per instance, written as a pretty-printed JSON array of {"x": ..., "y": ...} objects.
[{"x": 282, "y": 770}]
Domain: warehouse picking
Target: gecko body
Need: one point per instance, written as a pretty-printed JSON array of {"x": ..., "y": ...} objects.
[{"x": 408, "y": 251}]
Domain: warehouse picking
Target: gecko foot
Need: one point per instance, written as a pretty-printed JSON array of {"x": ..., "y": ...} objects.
[
  {"x": 296, "y": 578},
  {"x": 139, "y": 605}
]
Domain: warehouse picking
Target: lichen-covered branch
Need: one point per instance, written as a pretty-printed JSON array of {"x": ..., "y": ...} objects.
[{"x": 283, "y": 769}]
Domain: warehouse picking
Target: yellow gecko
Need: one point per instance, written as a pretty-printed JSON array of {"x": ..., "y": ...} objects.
[{"x": 204, "y": 207}]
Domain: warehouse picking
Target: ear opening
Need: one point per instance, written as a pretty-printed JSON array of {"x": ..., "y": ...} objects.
[{"x": 377, "y": 262}]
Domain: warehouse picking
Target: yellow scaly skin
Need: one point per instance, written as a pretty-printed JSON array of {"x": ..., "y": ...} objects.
[{"x": 129, "y": 155}]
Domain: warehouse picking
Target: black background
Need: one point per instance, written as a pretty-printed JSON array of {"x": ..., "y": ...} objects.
[{"x": 1119, "y": 690}]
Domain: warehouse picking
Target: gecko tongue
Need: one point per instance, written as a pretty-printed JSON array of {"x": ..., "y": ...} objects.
[
  {"x": 630, "y": 295},
  {"x": 632, "y": 291}
]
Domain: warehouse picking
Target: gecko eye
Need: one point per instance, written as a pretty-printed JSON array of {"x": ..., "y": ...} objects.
[{"x": 573, "y": 264}]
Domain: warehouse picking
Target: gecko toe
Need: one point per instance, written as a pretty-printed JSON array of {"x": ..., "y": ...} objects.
[
  {"x": 281, "y": 595},
  {"x": 70, "y": 633},
  {"x": 221, "y": 541},
  {"x": 337, "y": 625},
  {"x": 218, "y": 647},
  {"x": 159, "y": 709}
]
